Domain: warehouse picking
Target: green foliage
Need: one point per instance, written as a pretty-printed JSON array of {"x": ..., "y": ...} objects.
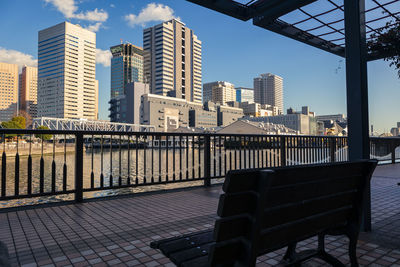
[
  {"x": 44, "y": 137},
  {"x": 17, "y": 122},
  {"x": 387, "y": 43}
]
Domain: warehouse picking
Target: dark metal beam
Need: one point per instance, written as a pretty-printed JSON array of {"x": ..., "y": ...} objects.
[
  {"x": 227, "y": 7},
  {"x": 273, "y": 9},
  {"x": 290, "y": 31},
  {"x": 377, "y": 56},
  {"x": 357, "y": 89}
]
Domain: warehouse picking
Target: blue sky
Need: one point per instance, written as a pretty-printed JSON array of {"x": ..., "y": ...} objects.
[{"x": 233, "y": 51}]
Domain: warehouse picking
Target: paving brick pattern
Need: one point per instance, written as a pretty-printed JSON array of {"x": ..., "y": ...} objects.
[{"x": 117, "y": 232}]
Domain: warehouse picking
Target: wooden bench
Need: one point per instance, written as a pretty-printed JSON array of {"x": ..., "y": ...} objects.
[{"x": 265, "y": 210}]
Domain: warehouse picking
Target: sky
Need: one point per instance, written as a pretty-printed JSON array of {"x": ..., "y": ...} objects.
[{"x": 233, "y": 51}]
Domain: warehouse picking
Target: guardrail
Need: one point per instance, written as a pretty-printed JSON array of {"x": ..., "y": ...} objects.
[{"x": 39, "y": 163}]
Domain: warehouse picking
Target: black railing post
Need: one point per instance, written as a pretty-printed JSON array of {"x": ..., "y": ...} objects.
[
  {"x": 283, "y": 151},
  {"x": 393, "y": 143},
  {"x": 79, "y": 167},
  {"x": 207, "y": 160},
  {"x": 333, "y": 149}
]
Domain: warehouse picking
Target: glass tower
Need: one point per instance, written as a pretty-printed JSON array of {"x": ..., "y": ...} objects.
[{"x": 126, "y": 67}]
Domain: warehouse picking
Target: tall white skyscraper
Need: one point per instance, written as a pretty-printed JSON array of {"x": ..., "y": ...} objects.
[
  {"x": 172, "y": 60},
  {"x": 268, "y": 89},
  {"x": 66, "y": 72}
]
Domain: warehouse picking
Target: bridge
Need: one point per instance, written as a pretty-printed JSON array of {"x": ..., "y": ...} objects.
[{"x": 88, "y": 125}]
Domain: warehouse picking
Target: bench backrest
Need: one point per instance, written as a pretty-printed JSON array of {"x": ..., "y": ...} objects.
[{"x": 264, "y": 210}]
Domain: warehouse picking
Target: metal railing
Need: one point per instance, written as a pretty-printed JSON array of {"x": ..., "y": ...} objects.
[{"x": 47, "y": 163}]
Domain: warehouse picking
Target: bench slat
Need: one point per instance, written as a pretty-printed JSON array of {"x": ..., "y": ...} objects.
[
  {"x": 186, "y": 243},
  {"x": 231, "y": 227},
  {"x": 156, "y": 244},
  {"x": 319, "y": 188},
  {"x": 282, "y": 235},
  {"x": 190, "y": 253},
  {"x": 242, "y": 180},
  {"x": 303, "y": 209},
  {"x": 237, "y": 203},
  {"x": 198, "y": 262},
  {"x": 305, "y": 173}
]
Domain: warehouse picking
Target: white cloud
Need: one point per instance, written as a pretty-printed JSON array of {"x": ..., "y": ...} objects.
[
  {"x": 69, "y": 8},
  {"x": 152, "y": 12},
  {"x": 103, "y": 57},
  {"x": 16, "y": 57},
  {"x": 95, "y": 27},
  {"x": 112, "y": 5}
]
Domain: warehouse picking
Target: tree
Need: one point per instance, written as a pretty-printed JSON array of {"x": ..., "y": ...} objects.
[
  {"x": 17, "y": 122},
  {"x": 387, "y": 43},
  {"x": 27, "y": 116},
  {"x": 44, "y": 137}
]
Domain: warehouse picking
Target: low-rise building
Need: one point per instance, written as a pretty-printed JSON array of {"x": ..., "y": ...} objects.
[
  {"x": 228, "y": 115},
  {"x": 334, "y": 117},
  {"x": 203, "y": 118},
  {"x": 301, "y": 123},
  {"x": 258, "y": 110},
  {"x": 165, "y": 113},
  {"x": 252, "y": 127},
  {"x": 126, "y": 107},
  {"x": 219, "y": 92},
  {"x": 244, "y": 95}
]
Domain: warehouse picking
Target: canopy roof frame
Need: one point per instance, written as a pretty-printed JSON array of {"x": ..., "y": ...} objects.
[{"x": 267, "y": 14}]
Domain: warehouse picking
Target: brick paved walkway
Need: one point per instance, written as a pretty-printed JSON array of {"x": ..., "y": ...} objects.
[{"x": 118, "y": 231}]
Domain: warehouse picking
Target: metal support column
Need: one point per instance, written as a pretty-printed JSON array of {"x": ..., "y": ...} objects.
[{"x": 357, "y": 89}]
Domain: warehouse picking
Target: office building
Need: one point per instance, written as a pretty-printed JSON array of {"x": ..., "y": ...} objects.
[
  {"x": 126, "y": 67},
  {"x": 301, "y": 123},
  {"x": 245, "y": 95},
  {"x": 172, "y": 64},
  {"x": 96, "y": 99},
  {"x": 170, "y": 113},
  {"x": 28, "y": 91},
  {"x": 334, "y": 117},
  {"x": 258, "y": 110},
  {"x": 126, "y": 108},
  {"x": 66, "y": 72},
  {"x": 225, "y": 114},
  {"x": 8, "y": 91},
  {"x": 200, "y": 118},
  {"x": 219, "y": 92},
  {"x": 268, "y": 89}
]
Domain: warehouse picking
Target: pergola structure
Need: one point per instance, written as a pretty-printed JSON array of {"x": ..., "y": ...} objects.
[{"x": 341, "y": 27}]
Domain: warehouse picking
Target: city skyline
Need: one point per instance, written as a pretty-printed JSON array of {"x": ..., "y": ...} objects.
[{"x": 312, "y": 77}]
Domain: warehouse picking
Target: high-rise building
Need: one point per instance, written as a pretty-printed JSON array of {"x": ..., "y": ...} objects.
[
  {"x": 66, "y": 72},
  {"x": 96, "y": 101},
  {"x": 173, "y": 61},
  {"x": 245, "y": 95},
  {"x": 219, "y": 92},
  {"x": 268, "y": 89},
  {"x": 126, "y": 67},
  {"x": 28, "y": 90},
  {"x": 8, "y": 90}
]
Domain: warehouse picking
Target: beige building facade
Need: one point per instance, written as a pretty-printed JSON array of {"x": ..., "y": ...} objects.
[
  {"x": 219, "y": 92},
  {"x": 28, "y": 90},
  {"x": 172, "y": 61},
  {"x": 66, "y": 72},
  {"x": 8, "y": 91},
  {"x": 268, "y": 89}
]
